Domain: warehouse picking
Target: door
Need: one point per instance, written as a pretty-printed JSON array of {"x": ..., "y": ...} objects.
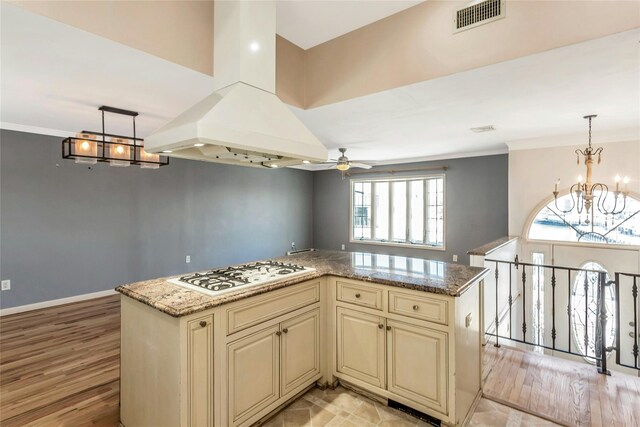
[
  {"x": 254, "y": 373},
  {"x": 612, "y": 260},
  {"x": 361, "y": 346},
  {"x": 417, "y": 364},
  {"x": 200, "y": 371},
  {"x": 300, "y": 350}
]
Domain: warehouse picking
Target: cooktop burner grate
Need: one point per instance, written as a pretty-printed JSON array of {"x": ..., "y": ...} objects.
[{"x": 219, "y": 280}]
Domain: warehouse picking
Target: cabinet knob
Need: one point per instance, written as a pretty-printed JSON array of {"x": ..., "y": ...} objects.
[
  {"x": 203, "y": 323},
  {"x": 416, "y": 307},
  {"x": 380, "y": 326},
  {"x": 278, "y": 333},
  {"x": 285, "y": 330},
  {"x": 357, "y": 295},
  {"x": 388, "y": 328}
]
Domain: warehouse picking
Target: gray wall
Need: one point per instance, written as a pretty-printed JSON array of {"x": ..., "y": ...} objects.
[
  {"x": 476, "y": 208},
  {"x": 67, "y": 230}
]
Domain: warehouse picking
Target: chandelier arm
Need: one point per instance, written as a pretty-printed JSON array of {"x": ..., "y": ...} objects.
[
  {"x": 573, "y": 202},
  {"x": 602, "y": 197},
  {"x": 626, "y": 219}
]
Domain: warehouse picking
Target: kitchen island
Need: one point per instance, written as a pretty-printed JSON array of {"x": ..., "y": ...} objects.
[{"x": 402, "y": 329}]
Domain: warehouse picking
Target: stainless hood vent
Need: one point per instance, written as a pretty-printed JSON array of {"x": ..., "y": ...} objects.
[{"x": 243, "y": 122}]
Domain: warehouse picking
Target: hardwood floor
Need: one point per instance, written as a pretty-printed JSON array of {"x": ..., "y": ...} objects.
[
  {"x": 61, "y": 365},
  {"x": 567, "y": 392}
]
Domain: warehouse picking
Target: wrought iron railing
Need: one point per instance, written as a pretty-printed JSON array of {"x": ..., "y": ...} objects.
[
  {"x": 627, "y": 286},
  {"x": 601, "y": 302}
]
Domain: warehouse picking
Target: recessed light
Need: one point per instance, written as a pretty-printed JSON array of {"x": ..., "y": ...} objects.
[
  {"x": 306, "y": 162},
  {"x": 198, "y": 145},
  {"x": 273, "y": 165},
  {"x": 167, "y": 151},
  {"x": 481, "y": 129}
]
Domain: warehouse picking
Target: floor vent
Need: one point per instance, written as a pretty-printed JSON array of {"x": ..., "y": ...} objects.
[
  {"x": 478, "y": 13},
  {"x": 414, "y": 413}
]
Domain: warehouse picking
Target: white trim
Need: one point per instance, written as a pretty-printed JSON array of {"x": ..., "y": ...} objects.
[
  {"x": 35, "y": 129},
  {"x": 53, "y": 303}
]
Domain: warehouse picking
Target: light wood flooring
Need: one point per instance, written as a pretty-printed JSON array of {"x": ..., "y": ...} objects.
[
  {"x": 60, "y": 366},
  {"x": 567, "y": 392}
]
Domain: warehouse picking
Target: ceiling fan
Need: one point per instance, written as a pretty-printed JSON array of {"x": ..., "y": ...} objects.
[{"x": 343, "y": 163}]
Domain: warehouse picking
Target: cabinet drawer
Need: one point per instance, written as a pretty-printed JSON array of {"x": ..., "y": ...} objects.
[
  {"x": 419, "y": 307},
  {"x": 271, "y": 305},
  {"x": 360, "y": 295}
]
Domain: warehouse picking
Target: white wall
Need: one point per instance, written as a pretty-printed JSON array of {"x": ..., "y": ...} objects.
[{"x": 533, "y": 173}]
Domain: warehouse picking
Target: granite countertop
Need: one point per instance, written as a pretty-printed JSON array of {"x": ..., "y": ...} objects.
[
  {"x": 491, "y": 246},
  {"x": 410, "y": 273}
]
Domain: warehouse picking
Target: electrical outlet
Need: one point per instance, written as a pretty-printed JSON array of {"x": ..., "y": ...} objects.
[
  {"x": 6, "y": 285},
  {"x": 343, "y": 246},
  {"x": 455, "y": 258},
  {"x": 187, "y": 259},
  {"x": 468, "y": 320}
]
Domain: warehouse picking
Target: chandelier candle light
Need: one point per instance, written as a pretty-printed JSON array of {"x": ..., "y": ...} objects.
[
  {"x": 588, "y": 195},
  {"x": 89, "y": 147}
]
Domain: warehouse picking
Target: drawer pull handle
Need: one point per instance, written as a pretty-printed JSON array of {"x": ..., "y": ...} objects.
[
  {"x": 285, "y": 330},
  {"x": 416, "y": 307},
  {"x": 357, "y": 295},
  {"x": 203, "y": 323},
  {"x": 380, "y": 326},
  {"x": 388, "y": 328},
  {"x": 278, "y": 333}
]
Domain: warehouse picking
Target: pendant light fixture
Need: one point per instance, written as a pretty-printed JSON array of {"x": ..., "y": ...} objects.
[
  {"x": 89, "y": 147},
  {"x": 588, "y": 195}
]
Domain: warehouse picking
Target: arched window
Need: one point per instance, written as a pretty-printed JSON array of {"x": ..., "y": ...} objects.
[
  {"x": 620, "y": 229},
  {"x": 584, "y": 309}
]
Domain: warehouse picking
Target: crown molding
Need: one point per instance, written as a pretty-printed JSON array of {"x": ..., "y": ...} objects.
[
  {"x": 617, "y": 135},
  {"x": 35, "y": 129}
]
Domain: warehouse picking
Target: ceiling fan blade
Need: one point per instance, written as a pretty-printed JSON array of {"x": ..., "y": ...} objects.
[
  {"x": 324, "y": 166},
  {"x": 359, "y": 165}
]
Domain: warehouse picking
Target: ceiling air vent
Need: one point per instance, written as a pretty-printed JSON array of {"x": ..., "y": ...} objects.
[{"x": 478, "y": 13}]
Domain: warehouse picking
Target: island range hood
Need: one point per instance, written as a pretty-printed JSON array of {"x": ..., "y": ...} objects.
[{"x": 243, "y": 122}]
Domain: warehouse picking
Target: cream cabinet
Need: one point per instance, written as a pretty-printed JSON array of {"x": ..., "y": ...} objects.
[
  {"x": 417, "y": 364},
  {"x": 361, "y": 346},
  {"x": 200, "y": 371},
  {"x": 254, "y": 373},
  {"x": 268, "y": 366},
  {"x": 419, "y": 349}
]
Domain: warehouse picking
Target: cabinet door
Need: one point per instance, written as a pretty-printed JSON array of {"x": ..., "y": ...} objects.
[
  {"x": 200, "y": 371},
  {"x": 254, "y": 373},
  {"x": 417, "y": 364},
  {"x": 300, "y": 350},
  {"x": 360, "y": 346}
]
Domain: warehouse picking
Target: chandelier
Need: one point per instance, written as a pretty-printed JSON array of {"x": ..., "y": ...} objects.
[
  {"x": 90, "y": 147},
  {"x": 586, "y": 196}
]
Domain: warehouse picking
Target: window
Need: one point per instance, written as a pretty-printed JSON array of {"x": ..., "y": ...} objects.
[
  {"x": 584, "y": 309},
  {"x": 620, "y": 229},
  {"x": 403, "y": 211}
]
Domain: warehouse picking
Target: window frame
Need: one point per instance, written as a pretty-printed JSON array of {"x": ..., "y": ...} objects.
[
  {"x": 406, "y": 178},
  {"x": 526, "y": 230}
]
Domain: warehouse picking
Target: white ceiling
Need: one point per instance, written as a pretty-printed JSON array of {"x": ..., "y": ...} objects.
[
  {"x": 54, "y": 76},
  {"x": 532, "y": 98},
  {"x": 308, "y": 23}
]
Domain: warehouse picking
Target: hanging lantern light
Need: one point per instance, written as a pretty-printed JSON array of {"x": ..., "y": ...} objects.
[{"x": 86, "y": 148}]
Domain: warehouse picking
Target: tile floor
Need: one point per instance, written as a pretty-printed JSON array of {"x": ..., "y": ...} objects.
[{"x": 344, "y": 408}]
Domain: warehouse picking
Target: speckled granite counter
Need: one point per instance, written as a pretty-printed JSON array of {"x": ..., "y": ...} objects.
[
  {"x": 491, "y": 246},
  {"x": 411, "y": 273}
]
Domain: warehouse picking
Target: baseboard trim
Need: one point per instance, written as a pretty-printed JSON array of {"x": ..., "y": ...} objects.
[{"x": 52, "y": 303}]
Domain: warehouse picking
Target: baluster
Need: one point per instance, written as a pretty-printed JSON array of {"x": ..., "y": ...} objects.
[
  {"x": 524, "y": 305},
  {"x": 634, "y": 292},
  {"x": 569, "y": 285},
  {"x": 553, "y": 307},
  {"x": 601, "y": 338},
  {"x": 586, "y": 313},
  {"x": 510, "y": 300},
  {"x": 497, "y": 344}
]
